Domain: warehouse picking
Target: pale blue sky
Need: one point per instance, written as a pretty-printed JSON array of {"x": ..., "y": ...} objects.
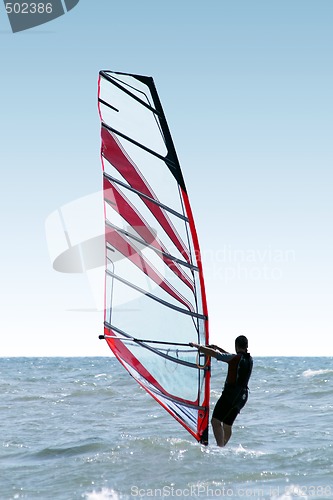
[{"x": 247, "y": 90}]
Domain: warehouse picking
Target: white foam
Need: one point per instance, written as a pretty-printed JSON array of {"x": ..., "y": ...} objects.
[
  {"x": 214, "y": 450},
  {"x": 313, "y": 373},
  {"x": 103, "y": 494},
  {"x": 253, "y": 453}
]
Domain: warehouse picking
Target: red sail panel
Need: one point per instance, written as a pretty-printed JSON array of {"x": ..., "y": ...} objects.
[
  {"x": 113, "y": 153},
  {"x": 126, "y": 248},
  {"x": 122, "y": 205}
]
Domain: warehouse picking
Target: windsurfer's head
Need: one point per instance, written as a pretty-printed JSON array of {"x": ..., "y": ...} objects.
[{"x": 241, "y": 343}]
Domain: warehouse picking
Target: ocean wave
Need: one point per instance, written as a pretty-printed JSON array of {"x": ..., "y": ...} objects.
[
  {"x": 56, "y": 452},
  {"x": 314, "y": 373}
]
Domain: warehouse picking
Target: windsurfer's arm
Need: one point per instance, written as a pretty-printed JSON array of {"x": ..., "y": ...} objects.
[
  {"x": 217, "y": 348},
  {"x": 208, "y": 351}
]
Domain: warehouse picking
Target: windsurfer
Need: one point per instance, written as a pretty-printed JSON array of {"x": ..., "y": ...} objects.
[{"x": 235, "y": 392}]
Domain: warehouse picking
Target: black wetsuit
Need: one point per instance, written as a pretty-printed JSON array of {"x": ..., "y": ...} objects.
[{"x": 235, "y": 392}]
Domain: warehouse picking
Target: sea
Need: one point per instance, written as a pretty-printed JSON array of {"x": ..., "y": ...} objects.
[{"x": 82, "y": 428}]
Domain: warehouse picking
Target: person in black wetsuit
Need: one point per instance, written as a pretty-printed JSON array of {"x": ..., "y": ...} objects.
[{"x": 235, "y": 392}]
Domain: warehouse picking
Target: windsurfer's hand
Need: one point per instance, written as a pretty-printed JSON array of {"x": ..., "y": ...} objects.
[{"x": 194, "y": 344}]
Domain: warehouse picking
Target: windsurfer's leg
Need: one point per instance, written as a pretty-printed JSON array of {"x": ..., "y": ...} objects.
[
  {"x": 227, "y": 431},
  {"x": 218, "y": 432}
]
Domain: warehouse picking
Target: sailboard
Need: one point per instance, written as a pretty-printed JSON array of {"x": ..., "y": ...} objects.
[{"x": 155, "y": 302}]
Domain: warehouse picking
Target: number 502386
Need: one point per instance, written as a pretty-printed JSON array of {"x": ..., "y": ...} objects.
[{"x": 28, "y": 8}]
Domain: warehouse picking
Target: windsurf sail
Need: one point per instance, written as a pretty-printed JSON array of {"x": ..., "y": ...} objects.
[{"x": 155, "y": 301}]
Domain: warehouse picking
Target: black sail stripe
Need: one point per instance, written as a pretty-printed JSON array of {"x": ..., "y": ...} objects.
[
  {"x": 142, "y": 195},
  {"x": 150, "y": 348},
  {"x": 154, "y": 297}
]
